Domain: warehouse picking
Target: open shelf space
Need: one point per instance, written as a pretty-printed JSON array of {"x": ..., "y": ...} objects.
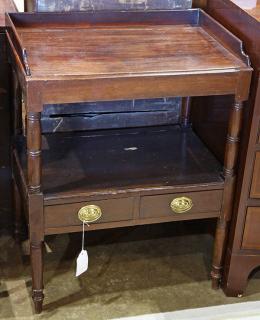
[{"x": 136, "y": 159}]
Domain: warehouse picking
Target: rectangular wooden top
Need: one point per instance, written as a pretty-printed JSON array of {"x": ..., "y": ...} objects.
[
  {"x": 252, "y": 9},
  {"x": 79, "y": 48},
  {"x": 138, "y": 46},
  {"x": 108, "y": 51}
]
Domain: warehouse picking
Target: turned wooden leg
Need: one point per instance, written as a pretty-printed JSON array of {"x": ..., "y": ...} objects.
[
  {"x": 36, "y": 252},
  {"x": 230, "y": 162},
  {"x": 17, "y": 207},
  {"x": 220, "y": 240},
  {"x": 35, "y": 206},
  {"x": 34, "y": 141},
  {"x": 185, "y": 112}
]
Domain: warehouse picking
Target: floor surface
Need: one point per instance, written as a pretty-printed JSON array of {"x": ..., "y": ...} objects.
[{"x": 132, "y": 271}]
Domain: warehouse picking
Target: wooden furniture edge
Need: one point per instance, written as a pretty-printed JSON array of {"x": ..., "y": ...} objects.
[
  {"x": 224, "y": 36},
  {"x": 16, "y": 44},
  {"x": 133, "y": 222}
]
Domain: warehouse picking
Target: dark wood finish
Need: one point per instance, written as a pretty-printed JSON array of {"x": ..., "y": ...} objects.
[
  {"x": 137, "y": 160},
  {"x": 17, "y": 207},
  {"x": 36, "y": 236},
  {"x": 36, "y": 254},
  {"x": 209, "y": 115},
  {"x": 195, "y": 37},
  {"x": 242, "y": 254},
  {"x": 230, "y": 162},
  {"x": 199, "y": 4},
  {"x": 159, "y": 206},
  {"x": 255, "y": 186},
  {"x": 67, "y": 215},
  {"x": 34, "y": 140},
  {"x": 127, "y": 165},
  {"x": 6, "y": 220},
  {"x": 240, "y": 267},
  {"x": 17, "y": 106},
  {"x": 251, "y": 237}
]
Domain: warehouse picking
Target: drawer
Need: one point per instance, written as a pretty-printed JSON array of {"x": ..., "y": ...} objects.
[
  {"x": 67, "y": 214},
  {"x": 251, "y": 237},
  {"x": 202, "y": 202},
  {"x": 255, "y": 187}
]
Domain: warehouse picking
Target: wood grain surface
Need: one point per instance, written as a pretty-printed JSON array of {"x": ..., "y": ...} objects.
[
  {"x": 118, "y": 50},
  {"x": 251, "y": 237}
]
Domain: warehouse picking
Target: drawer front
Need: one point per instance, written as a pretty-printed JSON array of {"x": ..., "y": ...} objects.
[
  {"x": 251, "y": 237},
  {"x": 67, "y": 214},
  {"x": 160, "y": 205},
  {"x": 255, "y": 187}
]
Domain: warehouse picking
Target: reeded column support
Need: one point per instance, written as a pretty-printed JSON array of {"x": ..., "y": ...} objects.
[{"x": 229, "y": 171}]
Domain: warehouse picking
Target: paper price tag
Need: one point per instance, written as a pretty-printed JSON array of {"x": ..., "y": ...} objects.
[{"x": 82, "y": 263}]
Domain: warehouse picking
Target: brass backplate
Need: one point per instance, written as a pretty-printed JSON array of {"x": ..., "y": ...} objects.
[
  {"x": 89, "y": 213},
  {"x": 181, "y": 204}
]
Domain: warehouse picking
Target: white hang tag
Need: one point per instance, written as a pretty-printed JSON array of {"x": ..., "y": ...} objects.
[
  {"x": 47, "y": 247},
  {"x": 82, "y": 263},
  {"x": 82, "y": 260}
]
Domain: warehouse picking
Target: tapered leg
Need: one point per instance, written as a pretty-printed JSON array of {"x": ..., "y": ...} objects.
[
  {"x": 37, "y": 274},
  {"x": 229, "y": 173},
  {"x": 220, "y": 240}
]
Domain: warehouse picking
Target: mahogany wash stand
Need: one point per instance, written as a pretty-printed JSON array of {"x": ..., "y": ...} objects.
[{"x": 123, "y": 177}]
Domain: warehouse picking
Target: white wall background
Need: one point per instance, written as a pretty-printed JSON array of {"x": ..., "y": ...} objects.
[{"x": 19, "y": 4}]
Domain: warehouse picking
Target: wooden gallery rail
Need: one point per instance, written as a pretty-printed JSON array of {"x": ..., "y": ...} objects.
[{"x": 122, "y": 177}]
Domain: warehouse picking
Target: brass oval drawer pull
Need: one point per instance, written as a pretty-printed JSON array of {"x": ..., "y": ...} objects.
[
  {"x": 89, "y": 213},
  {"x": 181, "y": 204}
]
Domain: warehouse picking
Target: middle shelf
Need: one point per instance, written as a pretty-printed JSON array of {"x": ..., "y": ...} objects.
[{"x": 141, "y": 159}]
